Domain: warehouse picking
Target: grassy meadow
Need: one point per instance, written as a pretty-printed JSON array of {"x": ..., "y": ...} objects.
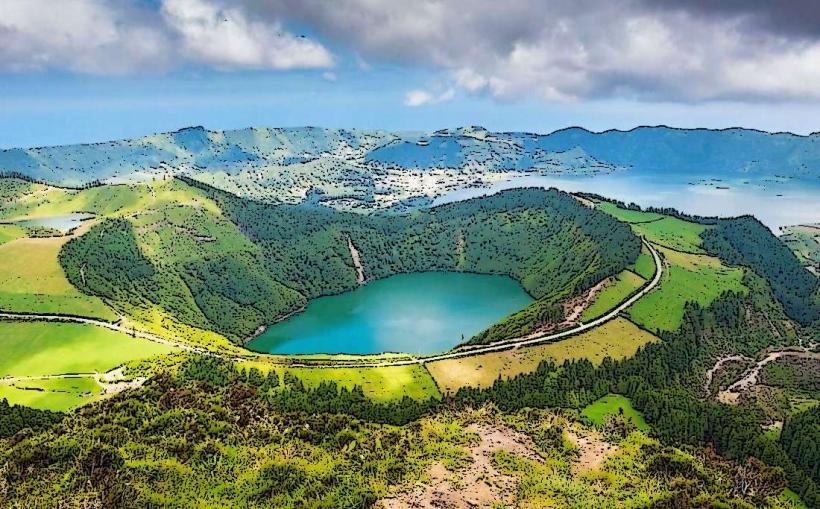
[
  {"x": 613, "y": 404},
  {"x": 379, "y": 384},
  {"x": 644, "y": 266},
  {"x": 617, "y": 339},
  {"x": 45, "y": 348},
  {"x": 9, "y": 232},
  {"x": 32, "y": 280},
  {"x": 619, "y": 289},
  {"x": 686, "y": 278},
  {"x": 56, "y": 394},
  {"x": 661, "y": 230}
]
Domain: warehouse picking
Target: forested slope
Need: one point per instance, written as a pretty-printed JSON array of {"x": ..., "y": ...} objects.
[{"x": 229, "y": 264}]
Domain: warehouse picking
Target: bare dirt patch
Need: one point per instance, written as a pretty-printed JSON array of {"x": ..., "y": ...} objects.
[
  {"x": 593, "y": 450},
  {"x": 113, "y": 381},
  {"x": 477, "y": 485}
]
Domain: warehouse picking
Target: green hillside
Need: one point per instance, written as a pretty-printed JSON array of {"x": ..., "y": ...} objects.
[
  {"x": 219, "y": 262},
  {"x": 261, "y": 433},
  {"x": 804, "y": 240}
]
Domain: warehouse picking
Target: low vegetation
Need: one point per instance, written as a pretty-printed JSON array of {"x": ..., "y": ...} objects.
[
  {"x": 603, "y": 410},
  {"x": 616, "y": 339},
  {"x": 213, "y": 436}
]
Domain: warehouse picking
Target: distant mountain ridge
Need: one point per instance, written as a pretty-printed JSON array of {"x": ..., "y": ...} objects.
[{"x": 354, "y": 167}]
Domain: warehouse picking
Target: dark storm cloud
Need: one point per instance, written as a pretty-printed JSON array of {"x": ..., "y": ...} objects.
[{"x": 790, "y": 18}]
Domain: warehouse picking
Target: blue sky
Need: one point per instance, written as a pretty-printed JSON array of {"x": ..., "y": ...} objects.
[{"x": 92, "y": 70}]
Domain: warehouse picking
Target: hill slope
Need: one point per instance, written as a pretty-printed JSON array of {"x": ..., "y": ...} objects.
[
  {"x": 364, "y": 170},
  {"x": 220, "y": 262}
]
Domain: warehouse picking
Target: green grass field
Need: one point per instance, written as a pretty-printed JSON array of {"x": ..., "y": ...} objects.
[
  {"x": 673, "y": 233},
  {"x": 379, "y": 384},
  {"x": 31, "y": 280},
  {"x": 611, "y": 404},
  {"x": 663, "y": 230},
  {"x": 9, "y": 232},
  {"x": 792, "y": 499},
  {"x": 687, "y": 278},
  {"x": 42, "y": 348},
  {"x": 617, "y": 338},
  {"x": 625, "y": 284},
  {"x": 26, "y": 200},
  {"x": 60, "y": 395},
  {"x": 626, "y": 215},
  {"x": 644, "y": 266}
]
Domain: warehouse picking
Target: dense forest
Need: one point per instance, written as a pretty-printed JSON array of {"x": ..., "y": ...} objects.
[
  {"x": 256, "y": 262},
  {"x": 801, "y": 439},
  {"x": 14, "y": 418}
]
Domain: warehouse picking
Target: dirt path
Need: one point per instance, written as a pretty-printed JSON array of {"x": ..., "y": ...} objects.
[
  {"x": 357, "y": 261},
  {"x": 719, "y": 364},
  {"x": 577, "y": 308},
  {"x": 111, "y": 382},
  {"x": 477, "y": 485},
  {"x": 594, "y": 450},
  {"x": 751, "y": 378}
]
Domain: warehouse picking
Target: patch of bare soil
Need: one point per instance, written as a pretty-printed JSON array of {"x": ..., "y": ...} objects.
[
  {"x": 479, "y": 484},
  {"x": 593, "y": 450},
  {"x": 113, "y": 381},
  {"x": 574, "y": 308}
]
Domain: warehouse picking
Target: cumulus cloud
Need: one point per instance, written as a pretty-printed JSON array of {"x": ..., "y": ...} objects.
[
  {"x": 423, "y": 97},
  {"x": 559, "y": 50},
  {"x": 87, "y": 36},
  {"x": 223, "y": 36},
  {"x": 121, "y": 36},
  {"x": 580, "y": 49}
]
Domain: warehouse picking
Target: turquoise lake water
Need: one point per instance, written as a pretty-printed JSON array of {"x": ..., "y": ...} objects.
[{"x": 419, "y": 313}]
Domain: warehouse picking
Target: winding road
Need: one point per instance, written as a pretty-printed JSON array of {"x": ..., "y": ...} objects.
[{"x": 506, "y": 344}]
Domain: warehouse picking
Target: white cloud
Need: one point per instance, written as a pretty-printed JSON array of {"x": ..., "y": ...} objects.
[
  {"x": 329, "y": 76},
  {"x": 223, "y": 36},
  {"x": 122, "y": 36},
  {"x": 86, "y": 36},
  {"x": 574, "y": 49},
  {"x": 422, "y": 97},
  {"x": 561, "y": 50},
  {"x": 470, "y": 80}
]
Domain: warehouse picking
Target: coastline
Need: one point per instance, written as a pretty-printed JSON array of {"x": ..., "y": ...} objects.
[{"x": 262, "y": 328}]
